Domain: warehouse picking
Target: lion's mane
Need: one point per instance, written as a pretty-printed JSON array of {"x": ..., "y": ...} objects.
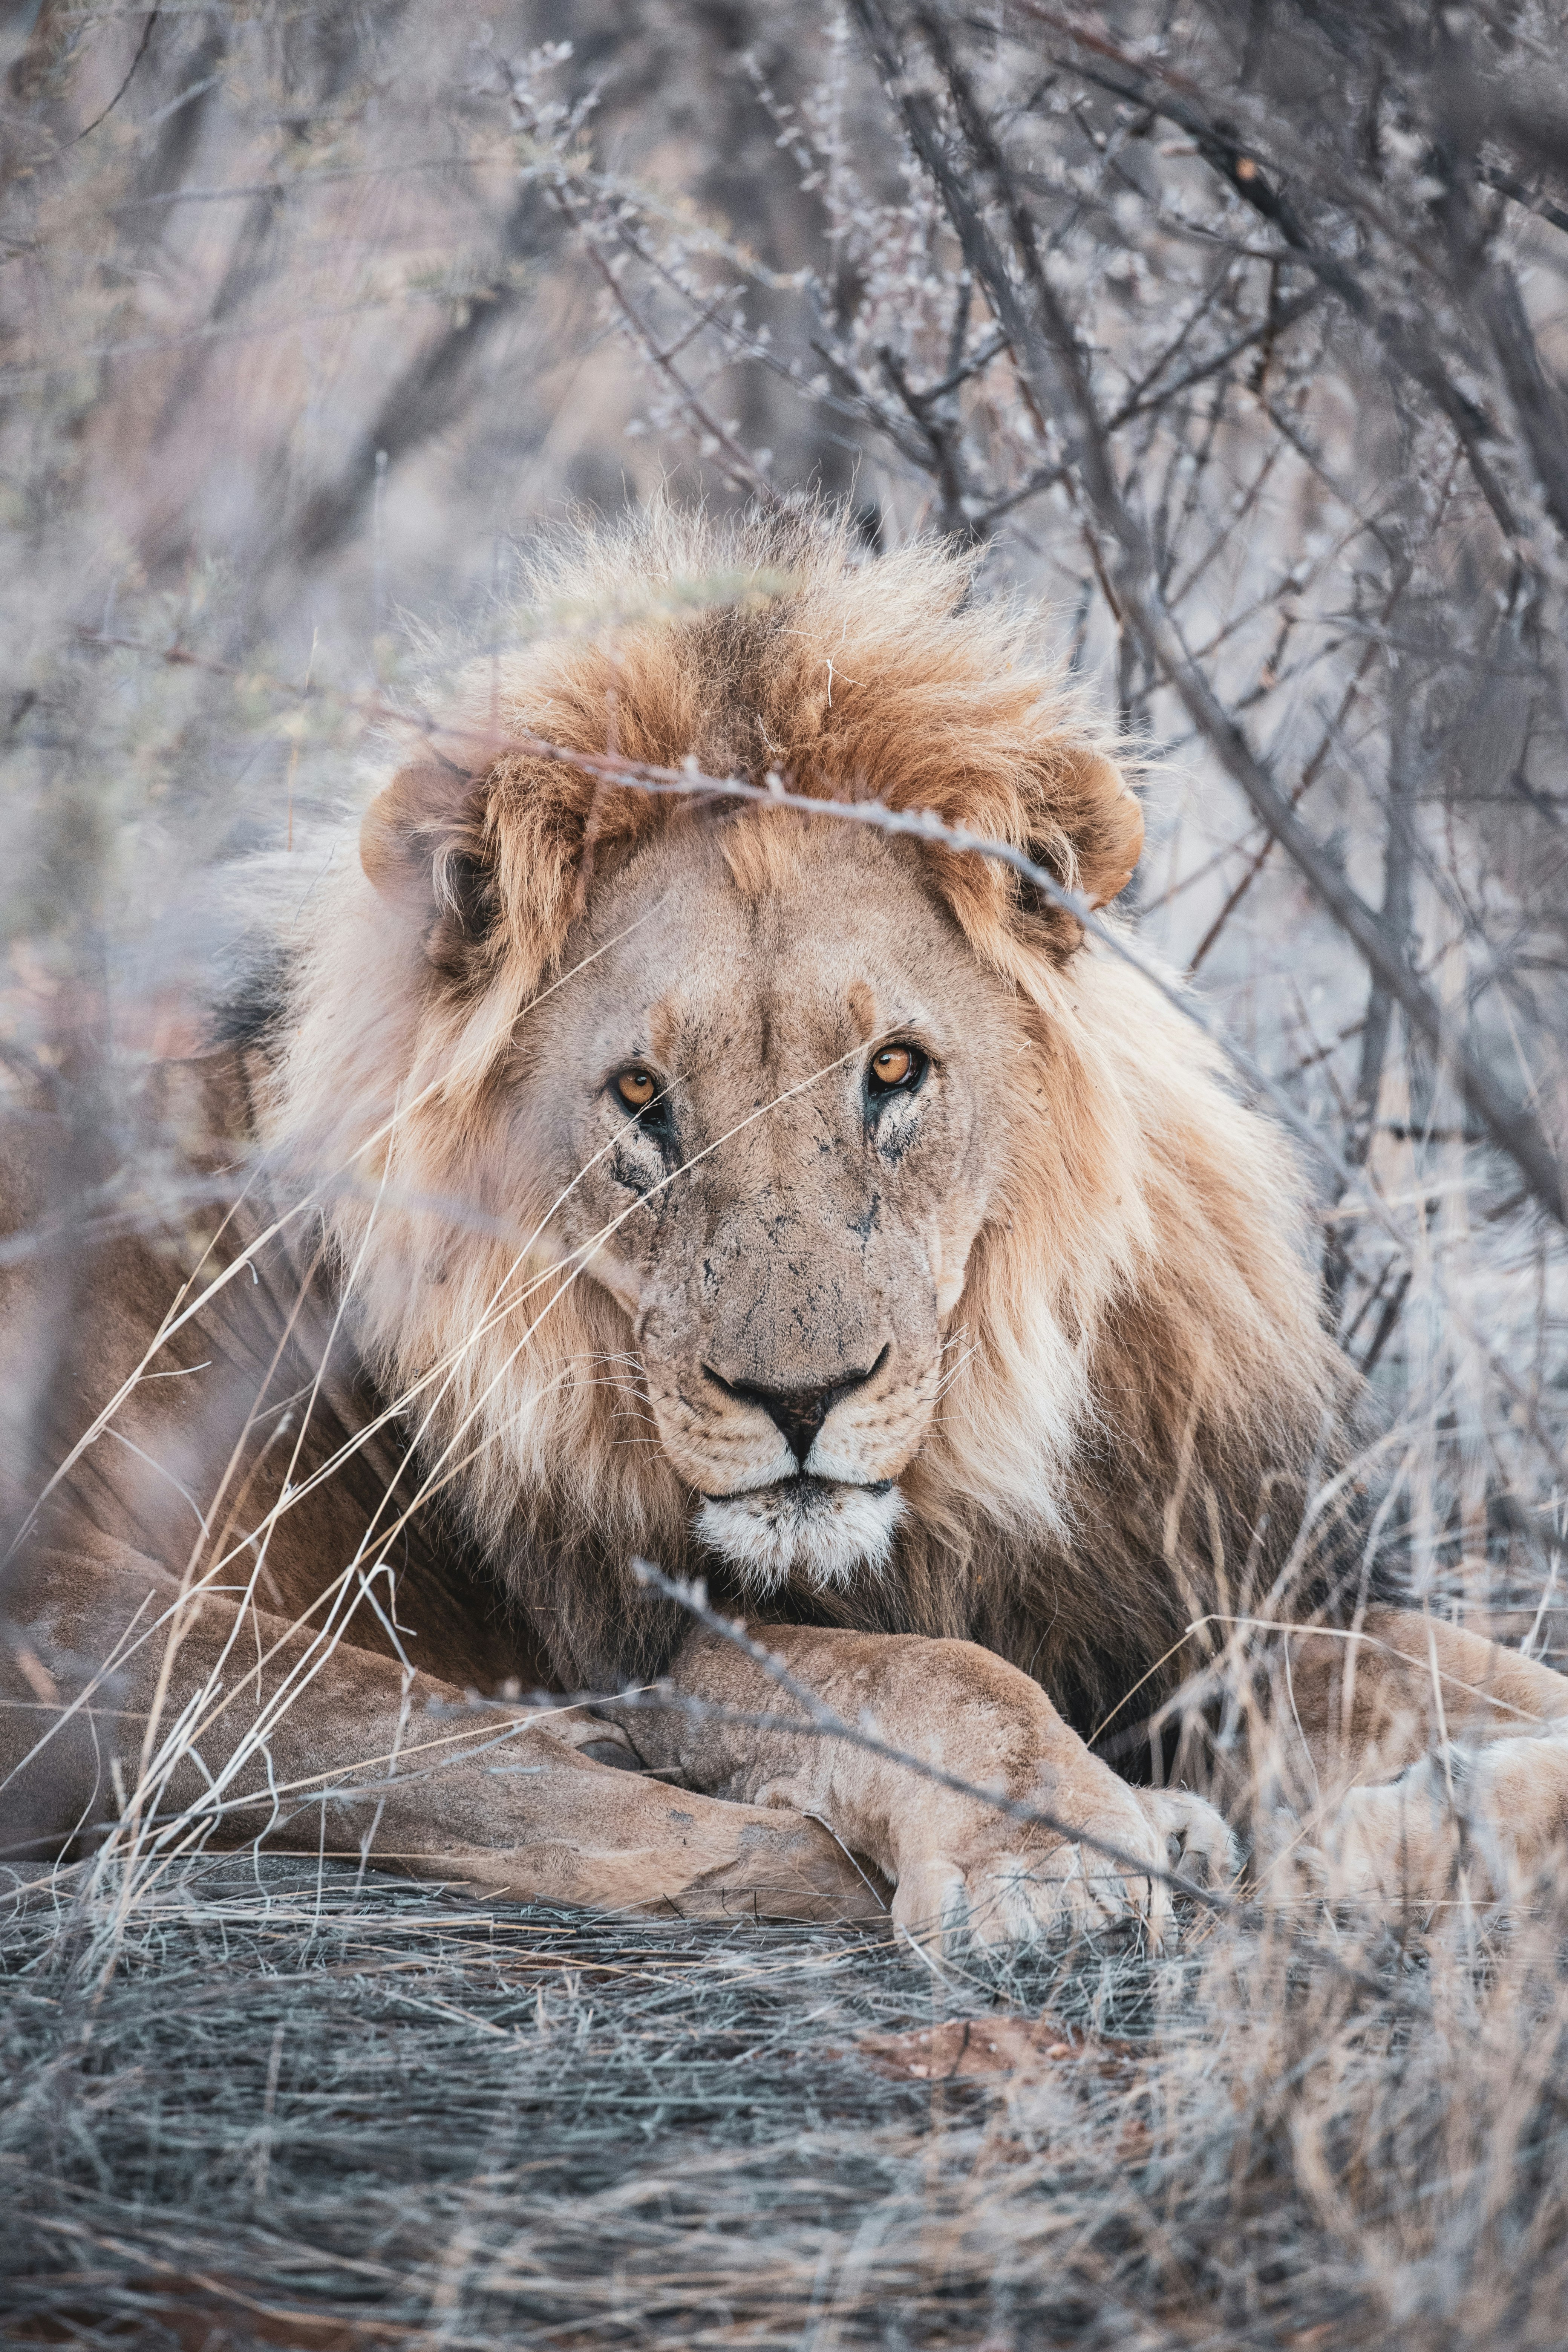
[{"x": 1143, "y": 1394}]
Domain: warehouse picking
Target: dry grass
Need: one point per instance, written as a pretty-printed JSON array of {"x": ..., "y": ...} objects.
[{"x": 303, "y": 2111}]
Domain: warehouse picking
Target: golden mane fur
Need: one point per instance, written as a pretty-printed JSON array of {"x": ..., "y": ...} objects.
[{"x": 1140, "y": 1388}]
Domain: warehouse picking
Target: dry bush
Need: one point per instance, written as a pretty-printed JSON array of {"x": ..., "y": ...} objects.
[{"x": 1234, "y": 333}]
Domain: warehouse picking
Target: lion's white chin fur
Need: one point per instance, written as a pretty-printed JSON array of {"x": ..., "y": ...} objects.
[{"x": 825, "y": 1531}]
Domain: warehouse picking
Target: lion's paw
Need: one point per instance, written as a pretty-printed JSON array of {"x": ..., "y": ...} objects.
[
  {"x": 1030, "y": 1890},
  {"x": 1199, "y": 1842},
  {"x": 1491, "y": 1819}
]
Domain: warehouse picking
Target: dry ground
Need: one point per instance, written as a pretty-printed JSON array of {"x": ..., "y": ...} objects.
[{"x": 301, "y": 2111}]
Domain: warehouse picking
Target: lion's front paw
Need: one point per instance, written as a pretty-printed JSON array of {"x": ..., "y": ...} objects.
[
  {"x": 1199, "y": 1842},
  {"x": 1492, "y": 1817},
  {"x": 1022, "y": 1886}
]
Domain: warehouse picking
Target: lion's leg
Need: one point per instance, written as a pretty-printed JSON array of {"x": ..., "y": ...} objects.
[
  {"x": 258, "y": 1727},
  {"x": 1427, "y": 1749},
  {"x": 957, "y": 1862}
]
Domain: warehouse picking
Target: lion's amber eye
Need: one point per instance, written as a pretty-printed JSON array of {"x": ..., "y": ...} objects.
[
  {"x": 894, "y": 1067},
  {"x": 637, "y": 1089}
]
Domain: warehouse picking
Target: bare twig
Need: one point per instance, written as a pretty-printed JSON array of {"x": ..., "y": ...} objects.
[{"x": 1048, "y": 353}]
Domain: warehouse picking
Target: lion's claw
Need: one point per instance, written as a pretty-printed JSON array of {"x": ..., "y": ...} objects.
[{"x": 1039, "y": 1892}]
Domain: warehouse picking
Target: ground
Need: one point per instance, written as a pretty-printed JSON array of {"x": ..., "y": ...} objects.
[{"x": 282, "y": 2107}]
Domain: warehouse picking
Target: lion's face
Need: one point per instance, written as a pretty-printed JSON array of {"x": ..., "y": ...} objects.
[
  {"x": 774, "y": 1090},
  {"x": 761, "y": 1175}
]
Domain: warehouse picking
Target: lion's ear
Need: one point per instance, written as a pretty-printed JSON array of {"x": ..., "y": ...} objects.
[
  {"x": 1089, "y": 804},
  {"x": 425, "y": 844}
]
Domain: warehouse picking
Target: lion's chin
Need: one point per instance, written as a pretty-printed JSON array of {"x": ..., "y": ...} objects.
[{"x": 815, "y": 1527}]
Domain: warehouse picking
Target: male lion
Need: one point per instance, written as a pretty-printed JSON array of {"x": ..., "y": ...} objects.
[{"x": 802, "y": 1208}]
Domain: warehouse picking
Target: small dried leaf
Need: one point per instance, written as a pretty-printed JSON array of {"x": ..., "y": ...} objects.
[{"x": 970, "y": 2048}]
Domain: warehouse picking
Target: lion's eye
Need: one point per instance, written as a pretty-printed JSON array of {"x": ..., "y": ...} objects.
[
  {"x": 637, "y": 1089},
  {"x": 896, "y": 1069}
]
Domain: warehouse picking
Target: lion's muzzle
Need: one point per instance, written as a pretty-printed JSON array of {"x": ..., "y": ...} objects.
[
  {"x": 823, "y": 1529},
  {"x": 798, "y": 1480}
]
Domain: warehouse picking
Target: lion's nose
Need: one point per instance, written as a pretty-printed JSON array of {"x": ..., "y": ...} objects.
[{"x": 798, "y": 1414}]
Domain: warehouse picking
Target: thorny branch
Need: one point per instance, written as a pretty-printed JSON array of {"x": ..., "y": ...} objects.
[{"x": 1048, "y": 351}]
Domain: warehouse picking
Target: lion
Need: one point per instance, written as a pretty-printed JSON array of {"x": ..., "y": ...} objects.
[{"x": 605, "y": 1175}]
